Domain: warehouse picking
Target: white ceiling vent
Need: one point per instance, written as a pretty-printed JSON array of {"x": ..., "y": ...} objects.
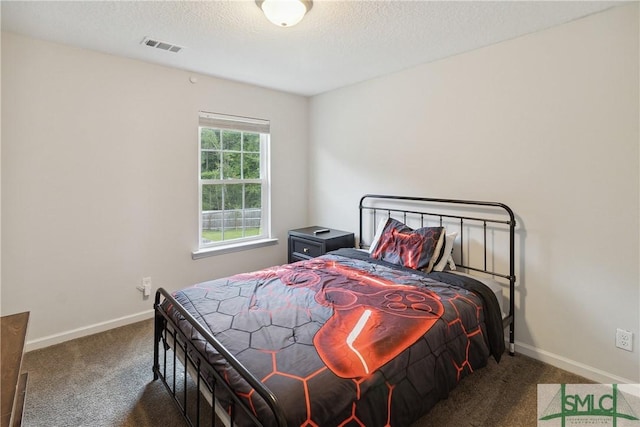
[{"x": 147, "y": 41}]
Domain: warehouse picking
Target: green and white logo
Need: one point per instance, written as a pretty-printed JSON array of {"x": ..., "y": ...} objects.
[{"x": 588, "y": 405}]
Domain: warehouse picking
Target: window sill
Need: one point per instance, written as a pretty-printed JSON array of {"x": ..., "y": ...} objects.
[{"x": 219, "y": 250}]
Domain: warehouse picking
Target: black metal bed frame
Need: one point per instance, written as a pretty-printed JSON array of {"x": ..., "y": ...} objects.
[{"x": 171, "y": 344}]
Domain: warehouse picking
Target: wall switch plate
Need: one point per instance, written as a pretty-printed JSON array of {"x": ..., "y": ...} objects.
[{"x": 624, "y": 339}]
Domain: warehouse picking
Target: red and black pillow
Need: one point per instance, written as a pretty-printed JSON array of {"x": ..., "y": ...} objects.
[{"x": 399, "y": 244}]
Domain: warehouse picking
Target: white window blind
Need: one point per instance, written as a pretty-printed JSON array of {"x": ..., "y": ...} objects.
[{"x": 245, "y": 124}]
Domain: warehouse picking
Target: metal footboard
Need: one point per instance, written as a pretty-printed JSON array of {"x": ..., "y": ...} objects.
[{"x": 171, "y": 346}]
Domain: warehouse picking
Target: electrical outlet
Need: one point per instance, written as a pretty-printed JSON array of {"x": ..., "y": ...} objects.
[
  {"x": 145, "y": 287},
  {"x": 624, "y": 339}
]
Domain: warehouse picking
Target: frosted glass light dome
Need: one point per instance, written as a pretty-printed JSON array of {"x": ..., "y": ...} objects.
[{"x": 285, "y": 13}]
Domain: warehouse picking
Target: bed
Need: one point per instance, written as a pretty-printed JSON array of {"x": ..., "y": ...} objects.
[{"x": 370, "y": 336}]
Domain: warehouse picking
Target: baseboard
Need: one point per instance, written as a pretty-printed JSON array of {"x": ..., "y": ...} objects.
[
  {"x": 572, "y": 366},
  {"x": 87, "y": 330}
]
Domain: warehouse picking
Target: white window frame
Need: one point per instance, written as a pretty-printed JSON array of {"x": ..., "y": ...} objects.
[{"x": 241, "y": 124}]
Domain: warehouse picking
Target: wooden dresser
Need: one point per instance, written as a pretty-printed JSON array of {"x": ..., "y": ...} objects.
[{"x": 13, "y": 330}]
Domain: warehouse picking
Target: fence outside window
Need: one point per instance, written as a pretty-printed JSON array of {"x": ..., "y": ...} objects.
[{"x": 231, "y": 219}]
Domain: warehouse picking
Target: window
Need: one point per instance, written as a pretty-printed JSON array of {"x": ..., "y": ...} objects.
[{"x": 234, "y": 180}]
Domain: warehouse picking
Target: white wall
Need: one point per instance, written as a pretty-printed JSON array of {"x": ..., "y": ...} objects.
[
  {"x": 99, "y": 182},
  {"x": 546, "y": 123}
]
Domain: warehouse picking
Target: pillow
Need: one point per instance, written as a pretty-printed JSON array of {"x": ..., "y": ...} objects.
[
  {"x": 401, "y": 245},
  {"x": 439, "y": 251},
  {"x": 376, "y": 237},
  {"x": 446, "y": 253}
]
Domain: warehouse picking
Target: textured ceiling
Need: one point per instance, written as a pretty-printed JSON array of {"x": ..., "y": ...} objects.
[{"x": 338, "y": 43}]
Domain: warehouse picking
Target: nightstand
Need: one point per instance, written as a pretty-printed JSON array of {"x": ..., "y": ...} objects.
[{"x": 306, "y": 243}]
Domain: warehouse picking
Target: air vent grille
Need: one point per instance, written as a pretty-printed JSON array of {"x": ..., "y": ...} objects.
[{"x": 157, "y": 44}]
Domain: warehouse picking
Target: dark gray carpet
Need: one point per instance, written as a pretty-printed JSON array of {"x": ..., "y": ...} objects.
[{"x": 106, "y": 380}]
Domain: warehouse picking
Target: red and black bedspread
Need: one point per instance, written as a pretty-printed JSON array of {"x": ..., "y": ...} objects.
[{"x": 347, "y": 340}]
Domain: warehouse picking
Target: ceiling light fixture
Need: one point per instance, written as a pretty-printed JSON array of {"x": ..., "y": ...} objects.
[{"x": 285, "y": 13}]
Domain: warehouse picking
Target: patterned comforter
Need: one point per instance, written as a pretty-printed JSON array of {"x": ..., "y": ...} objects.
[{"x": 344, "y": 339}]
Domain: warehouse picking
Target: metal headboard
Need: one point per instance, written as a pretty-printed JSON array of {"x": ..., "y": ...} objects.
[{"x": 464, "y": 213}]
